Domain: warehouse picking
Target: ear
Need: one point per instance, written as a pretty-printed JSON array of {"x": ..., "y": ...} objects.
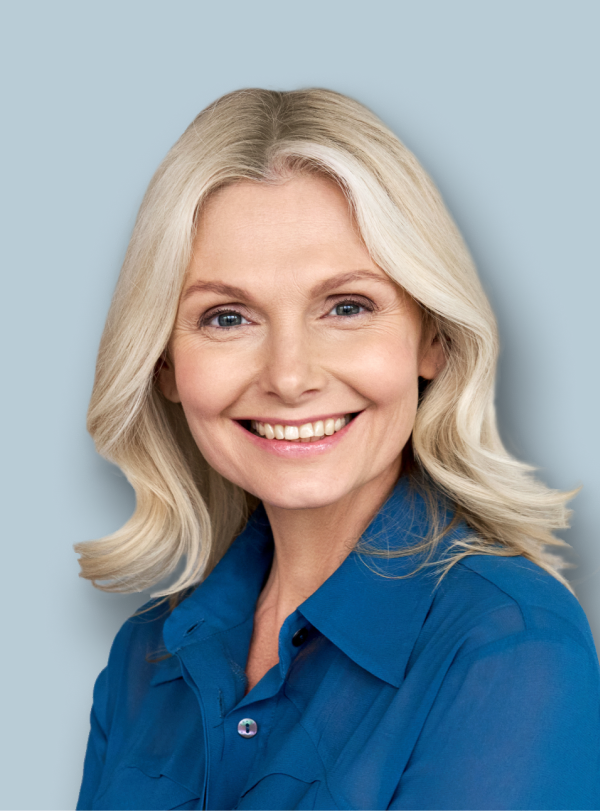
[
  {"x": 432, "y": 359},
  {"x": 165, "y": 377}
]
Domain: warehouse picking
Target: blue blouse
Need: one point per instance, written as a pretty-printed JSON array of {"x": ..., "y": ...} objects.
[{"x": 482, "y": 693}]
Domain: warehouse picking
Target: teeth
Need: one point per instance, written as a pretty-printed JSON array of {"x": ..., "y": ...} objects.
[{"x": 309, "y": 432}]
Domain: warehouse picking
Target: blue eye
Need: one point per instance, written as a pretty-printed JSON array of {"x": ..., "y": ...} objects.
[
  {"x": 347, "y": 308},
  {"x": 229, "y": 319},
  {"x": 225, "y": 320}
]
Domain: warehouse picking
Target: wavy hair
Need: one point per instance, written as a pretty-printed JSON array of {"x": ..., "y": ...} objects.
[{"x": 187, "y": 512}]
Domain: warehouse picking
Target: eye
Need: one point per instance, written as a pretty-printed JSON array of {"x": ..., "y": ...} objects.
[
  {"x": 347, "y": 308},
  {"x": 350, "y": 307},
  {"x": 224, "y": 319},
  {"x": 229, "y": 319}
]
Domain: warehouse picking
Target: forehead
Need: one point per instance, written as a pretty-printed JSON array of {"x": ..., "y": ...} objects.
[
  {"x": 303, "y": 225},
  {"x": 309, "y": 199}
]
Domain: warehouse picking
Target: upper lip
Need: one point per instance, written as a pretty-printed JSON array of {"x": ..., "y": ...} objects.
[{"x": 286, "y": 421}]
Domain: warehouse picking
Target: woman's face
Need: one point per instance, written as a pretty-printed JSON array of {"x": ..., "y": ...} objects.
[{"x": 287, "y": 328}]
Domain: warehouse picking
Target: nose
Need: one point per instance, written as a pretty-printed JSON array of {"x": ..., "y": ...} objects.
[{"x": 292, "y": 369}]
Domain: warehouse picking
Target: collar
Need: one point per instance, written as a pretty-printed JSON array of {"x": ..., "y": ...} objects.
[
  {"x": 228, "y": 596},
  {"x": 372, "y": 608}
]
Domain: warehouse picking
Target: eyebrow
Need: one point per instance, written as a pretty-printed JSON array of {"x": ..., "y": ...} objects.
[
  {"x": 347, "y": 278},
  {"x": 317, "y": 290},
  {"x": 214, "y": 287}
]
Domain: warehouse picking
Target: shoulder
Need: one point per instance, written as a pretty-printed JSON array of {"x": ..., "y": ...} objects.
[
  {"x": 138, "y": 655},
  {"x": 490, "y": 601},
  {"x": 140, "y": 636},
  {"x": 544, "y": 603},
  {"x": 515, "y": 693}
]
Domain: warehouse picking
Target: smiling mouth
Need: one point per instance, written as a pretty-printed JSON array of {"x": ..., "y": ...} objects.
[{"x": 307, "y": 432}]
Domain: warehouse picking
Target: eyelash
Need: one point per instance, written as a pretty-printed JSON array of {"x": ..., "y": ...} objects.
[{"x": 364, "y": 303}]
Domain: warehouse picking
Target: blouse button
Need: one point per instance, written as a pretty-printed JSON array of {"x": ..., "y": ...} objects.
[
  {"x": 299, "y": 637},
  {"x": 247, "y": 728}
]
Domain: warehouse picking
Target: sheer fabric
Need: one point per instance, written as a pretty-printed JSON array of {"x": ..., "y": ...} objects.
[{"x": 480, "y": 694}]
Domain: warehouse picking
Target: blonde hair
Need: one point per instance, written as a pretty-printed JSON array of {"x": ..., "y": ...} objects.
[{"x": 185, "y": 510}]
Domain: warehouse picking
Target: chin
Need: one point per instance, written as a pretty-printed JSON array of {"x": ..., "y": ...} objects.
[{"x": 307, "y": 495}]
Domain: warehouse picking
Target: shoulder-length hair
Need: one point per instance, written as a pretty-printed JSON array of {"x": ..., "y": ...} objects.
[{"x": 188, "y": 512}]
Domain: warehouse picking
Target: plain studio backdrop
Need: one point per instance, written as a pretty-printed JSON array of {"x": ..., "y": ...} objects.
[{"x": 499, "y": 101}]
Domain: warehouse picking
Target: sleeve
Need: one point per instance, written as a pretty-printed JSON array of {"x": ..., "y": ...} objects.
[
  {"x": 515, "y": 725},
  {"x": 96, "y": 746}
]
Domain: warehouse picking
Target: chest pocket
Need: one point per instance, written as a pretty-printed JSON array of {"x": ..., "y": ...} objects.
[
  {"x": 276, "y": 791},
  {"x": 132, "y": 788},
  {"x": 292, "y": 776}
]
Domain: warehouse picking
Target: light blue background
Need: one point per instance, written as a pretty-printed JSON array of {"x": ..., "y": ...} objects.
[{"x": 499, "y": 100}]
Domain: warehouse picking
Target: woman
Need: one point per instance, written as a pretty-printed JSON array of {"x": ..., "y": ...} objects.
[{"x": 297, "y": 377}]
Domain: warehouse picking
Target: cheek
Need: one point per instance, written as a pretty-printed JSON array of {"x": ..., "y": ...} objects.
[
  {"x": 386, "y": 373},
  {"x": 208, "y": 382}
]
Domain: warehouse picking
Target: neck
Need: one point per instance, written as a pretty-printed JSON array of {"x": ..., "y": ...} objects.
[{"x": 311, "y": 544}]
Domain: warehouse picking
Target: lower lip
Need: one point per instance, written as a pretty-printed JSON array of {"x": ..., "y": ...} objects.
[{"x": 297, "y": 450}]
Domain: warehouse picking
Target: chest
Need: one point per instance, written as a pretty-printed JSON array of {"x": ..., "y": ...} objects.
[
  {"x": 263, "y": 653},
  {"x": 324, "y": 737}
]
